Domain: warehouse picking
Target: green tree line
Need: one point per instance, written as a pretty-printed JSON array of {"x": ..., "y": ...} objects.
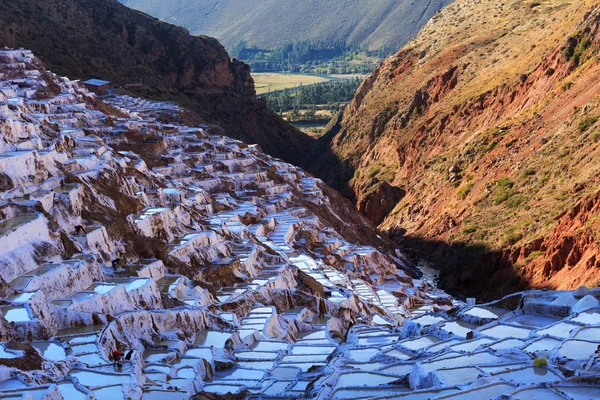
[
  {"x": 309, "y": 57},
  {"x": 307, "y": 97}
]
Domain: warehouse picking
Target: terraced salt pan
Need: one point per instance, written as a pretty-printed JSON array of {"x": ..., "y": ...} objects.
[
  {"x": 506, "y": 331},
  {"x": 420, "y": 343},
  {"x": 537, "y": 393},
  {"x": 370, "y": 393},
  {"x": 99, "y": 379},
  {"x": 578, "y": 349},
  {"x": 486, "y": 312},
  {"x": 533, "y": 375},
  {"x": 69, "y": 391},
  {"x": 542, "y": 345},
  {"x": 463, "y": 361},
  {"x": 507, "y": 344},
  {"x": 532, "y": 320},
  {"x": 560, "y": 330},
  {"x": 580, "y": 392},
  {"x": 459, "y": 376},
  {"x": 51, "y": 351},
  {"x": 588, "y": 318},
  {"x": 487, "y": 392}
]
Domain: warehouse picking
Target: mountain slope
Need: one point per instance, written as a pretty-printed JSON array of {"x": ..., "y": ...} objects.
[
  {"x": 102, "y": 38},
  {"x": 271, "y": 23},
  {"x": 478, "y": 145}
]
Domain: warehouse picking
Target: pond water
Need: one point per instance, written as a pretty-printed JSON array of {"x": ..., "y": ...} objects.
[
  {"x": 588, "y": 334},
  {"x": 544, "y": 344},
  {"x": 505, "y": 331},
  {"x": 490, "y": 392},
  {"x": 588, "y": 318},
  {"x": 162, "y": 395},
  {"x": 537, "y": 393},
  {"x": 13, "y": 383},
  {"x": 85, "y": 348},
  {"x": 109, "y": 393},
  {"x": 580, "y": 393},
  {"x": 562, "y": 329},
  {"x": 16, "y": 314},
  {"x": 428, "y": 320},
  {"x": 186, "y": 373},
  {"x": 530, "y": 375},
  {"x": 363, "y": 354},
  {"x": 241, "y": 374},
  {"x": 471, "y": 345},
  {"x": 507, "y": 344},
  {"x": 533, "y": 320},
  {"x": 312, "y": 350},
  {"x": 6, "y": 354},
  {"x": 357, "y": 379},
  {"x": 284, "y": 372},
  {"x": 256, "y": 355},
  {"x": 370, "y": 393},
  {"x": 459, "y": 328},
  {"x": 209, "y": 338},
  {"x": 205, "y": 353},
  {"x": 92, "y": 359},
  {"x": 463, "y": 361},
  {"x": 578, "y": 349},
  {"x": 486, "y": 312},
  {"x": 97, "y": 379},
  {"x": 376, "y": 340},
  {"x": 70, "y": 392},
  {"x": 420, "y": 343},
  {"x": 154, "y": 356},
  {"x": 50, "y": 351},
  {"x": 276, "y": 388},
  {"x": 459, "y": 376},
  {"x": 270, "y": 346},
  {"x": 219, "y": 388}
]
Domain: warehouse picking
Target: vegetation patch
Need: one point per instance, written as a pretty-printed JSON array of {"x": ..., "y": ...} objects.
[
  {"x": 465, "y": 190},
  {"x": 587, "y": 123}
]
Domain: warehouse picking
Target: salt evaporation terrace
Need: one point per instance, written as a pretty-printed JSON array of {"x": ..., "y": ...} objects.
[{"x": 236, "y": 274}]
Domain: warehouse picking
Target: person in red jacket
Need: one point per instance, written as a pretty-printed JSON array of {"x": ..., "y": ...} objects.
[{"x": 117, "y": 355}]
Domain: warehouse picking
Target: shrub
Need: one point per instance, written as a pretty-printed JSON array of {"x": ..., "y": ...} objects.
[
  {"x": 505, "y": 183},
  {"x": 587, "y": 123},
  {"x": 464, "y": 191},
  {"x": 373, "y": 172},
  {"x": 515, "y": 201},
  {"x": 501, "y": 197},
  {"x": 529, "y": 172},
  {"x": 357, "y": 174},
  {"x": 469, "y": 229}
]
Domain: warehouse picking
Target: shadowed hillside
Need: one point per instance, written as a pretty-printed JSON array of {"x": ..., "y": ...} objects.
[{"x": 102, "y": 38}]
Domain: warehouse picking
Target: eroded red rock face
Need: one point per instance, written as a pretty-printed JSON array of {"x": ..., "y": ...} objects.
[{"x": 492, "y": 139}]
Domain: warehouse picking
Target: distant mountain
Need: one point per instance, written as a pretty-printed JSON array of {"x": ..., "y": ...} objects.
[
  {"x": 104, "y": 39},
  {"x": 271, "y": 23}
]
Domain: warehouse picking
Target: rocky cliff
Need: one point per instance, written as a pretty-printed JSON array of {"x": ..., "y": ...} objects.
[
  {"x": 477, "y": 144},
  {"x": 104, "y": 39}
]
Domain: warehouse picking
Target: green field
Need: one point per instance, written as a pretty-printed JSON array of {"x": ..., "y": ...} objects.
[{"x": 270, "y": 82}]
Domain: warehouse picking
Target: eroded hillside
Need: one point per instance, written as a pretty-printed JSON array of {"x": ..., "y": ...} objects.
[
  {"x": 104, "y": 39},
  {"x": 478, "y": 142}
]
